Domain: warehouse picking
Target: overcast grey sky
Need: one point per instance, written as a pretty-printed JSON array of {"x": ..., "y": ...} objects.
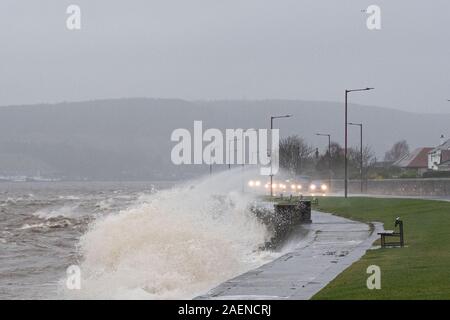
[{"x": 211, "y": 49}]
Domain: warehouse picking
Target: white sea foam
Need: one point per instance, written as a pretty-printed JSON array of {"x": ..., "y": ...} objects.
[
  {"x": 27, "y": 226},
  {"x": 48, "y": 224},
  {"x": 69, "y": 197},
  {"x": 64, "y": 211},
  {"x": 176, "y": 243},
  {"x": 105, "y": 204}
]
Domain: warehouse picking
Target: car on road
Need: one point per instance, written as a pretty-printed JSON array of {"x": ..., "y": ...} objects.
[{"x": 318, "y": 187}]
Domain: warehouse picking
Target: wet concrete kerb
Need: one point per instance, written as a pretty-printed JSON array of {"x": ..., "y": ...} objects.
[{"x": 328, "y": 246}]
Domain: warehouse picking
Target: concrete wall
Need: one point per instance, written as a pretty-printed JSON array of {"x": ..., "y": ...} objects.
[
  {"x": 283, "y": 218},
  {"x": 399, "y": 187}
]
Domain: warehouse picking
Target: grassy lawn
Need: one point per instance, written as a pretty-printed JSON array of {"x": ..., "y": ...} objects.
[{"x": 421, "y": 270}]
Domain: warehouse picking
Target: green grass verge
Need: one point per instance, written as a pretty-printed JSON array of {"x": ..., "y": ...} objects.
[{"x": 421, "y": 270}]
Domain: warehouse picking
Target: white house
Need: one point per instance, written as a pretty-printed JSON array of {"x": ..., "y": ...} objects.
[{"x": 439, "y": 157}]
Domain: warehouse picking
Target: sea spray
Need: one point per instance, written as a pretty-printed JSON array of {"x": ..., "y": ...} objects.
[{"x": 176, "y": 243}]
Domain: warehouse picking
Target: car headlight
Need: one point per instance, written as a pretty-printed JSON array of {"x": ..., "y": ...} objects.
[
  {"x": 313, "y": 187},
  {"x": 251, "y": 183},
  {"x": 258, "y": 183},
  {"x": 299, "y": 186},
  {"x": 293, "y": 186},
  {"x": 324, "y": 187}
]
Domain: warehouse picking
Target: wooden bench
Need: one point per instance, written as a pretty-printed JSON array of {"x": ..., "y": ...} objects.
[{"x": 393, "y": 233}]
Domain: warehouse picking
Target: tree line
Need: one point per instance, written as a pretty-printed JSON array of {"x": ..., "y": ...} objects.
[{"x": 297, "y": 157}]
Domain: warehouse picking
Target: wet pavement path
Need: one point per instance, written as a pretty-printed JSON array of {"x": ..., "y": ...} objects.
[{"x": 331, "y": 245}]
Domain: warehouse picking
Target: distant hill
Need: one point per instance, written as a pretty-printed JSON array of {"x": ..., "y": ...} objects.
[{"x": 129, "y": 139}]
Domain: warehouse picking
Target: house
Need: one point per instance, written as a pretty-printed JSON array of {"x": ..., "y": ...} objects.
[
  {"x": 416, "y": 160},
  {"x": 444, "y": 166},
  {"x": 439, "y": 157}
]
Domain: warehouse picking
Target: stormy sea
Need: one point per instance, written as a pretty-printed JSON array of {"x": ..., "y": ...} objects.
[{"x": 130, "y": 240}]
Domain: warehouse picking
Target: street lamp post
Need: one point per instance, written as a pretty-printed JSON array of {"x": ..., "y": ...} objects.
[
  {"x": 229, "y": 150},
  {"x": 329, "y": 155},
  {"x": 271, "y": 128},
  {"x": 346, "y": 137},
  {"x": 360, "y": 125},
  {"x": 250, "y": 156}
]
